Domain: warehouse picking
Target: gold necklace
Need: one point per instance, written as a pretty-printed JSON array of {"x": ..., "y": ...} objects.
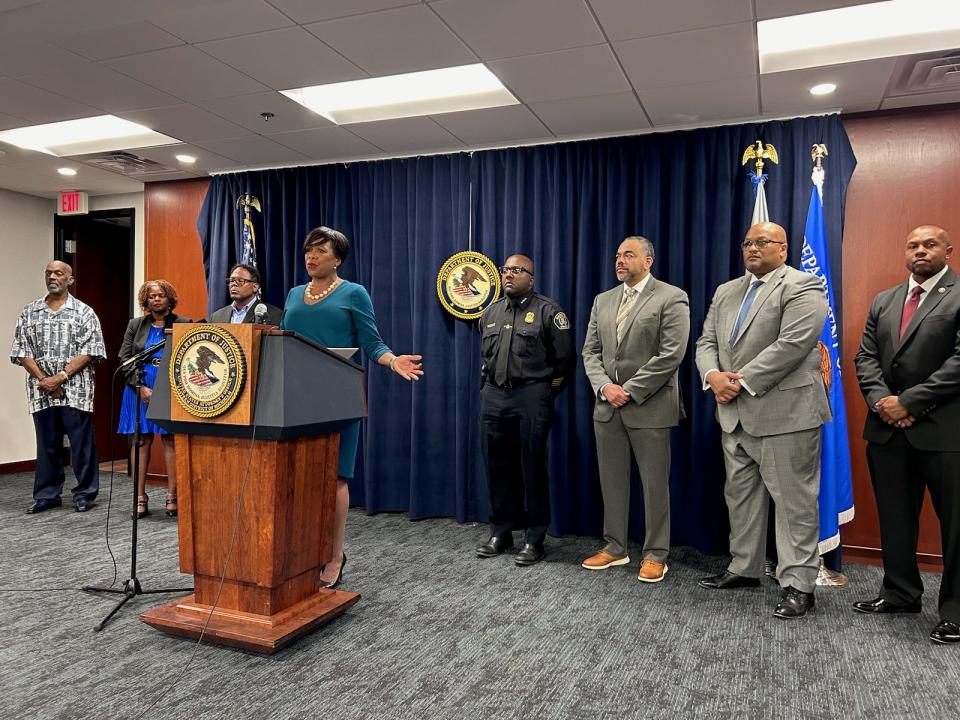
[{"x": 323, "y": 294}]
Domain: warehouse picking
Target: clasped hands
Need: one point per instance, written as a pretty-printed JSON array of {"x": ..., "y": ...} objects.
[
  {"x": 51, "y": 385},
  {"x": 615, "y": 395},
  {"x": 893, "y": 413},
  {"x": 725, "y": 385}
]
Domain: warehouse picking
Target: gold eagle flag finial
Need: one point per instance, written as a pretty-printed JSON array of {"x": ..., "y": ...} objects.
[
  {"x": 817, "y": 153},
  {"x": 247, "y": 201},
  {"x": 759, "y": 152}
]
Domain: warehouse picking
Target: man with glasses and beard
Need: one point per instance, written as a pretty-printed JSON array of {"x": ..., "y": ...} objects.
[
  {"x": 529, "y": 356},
  {"x": 244, "y": 287}
]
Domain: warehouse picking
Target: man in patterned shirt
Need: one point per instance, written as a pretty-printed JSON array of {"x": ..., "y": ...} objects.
[{"x": 56, "y": 339}]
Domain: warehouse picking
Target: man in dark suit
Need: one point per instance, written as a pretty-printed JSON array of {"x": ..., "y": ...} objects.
[
  {"x": 244, "y": 286},
  {"x": 908, "y": 366}
]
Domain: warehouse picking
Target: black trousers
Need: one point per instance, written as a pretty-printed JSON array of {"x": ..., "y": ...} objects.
[
  {"x": 51, "y": 425},
  {"x": 514, "y": 427},
  {"x": 900, "y": 473}
]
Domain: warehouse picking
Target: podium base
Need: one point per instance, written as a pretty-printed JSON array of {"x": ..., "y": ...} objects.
[{"x": 258, "y": 633}]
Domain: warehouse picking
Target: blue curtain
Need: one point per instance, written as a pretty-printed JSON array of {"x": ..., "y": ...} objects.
[{"x": 568, "y": 206}]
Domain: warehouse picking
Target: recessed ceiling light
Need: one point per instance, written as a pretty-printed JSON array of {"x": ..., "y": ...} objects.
[
  {"x": 465, "y": 87},
  {"x": 103, "y": 133},
  {"x": 188, "y": 159},
  {"x": 823, "y": 89},
  {"x": 69, "y": 172},
  {"x": 861, "y": 32}
]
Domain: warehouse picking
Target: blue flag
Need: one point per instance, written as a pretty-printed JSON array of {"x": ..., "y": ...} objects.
[{"x": 836, "y": 490}]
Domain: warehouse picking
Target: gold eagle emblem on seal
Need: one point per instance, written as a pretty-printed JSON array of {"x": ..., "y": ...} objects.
[{"x": 207, "y": 371}]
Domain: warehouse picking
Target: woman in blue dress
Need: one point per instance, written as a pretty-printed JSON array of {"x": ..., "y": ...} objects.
[
  {"x": 158, "y": 298},
  {"x": 337, "y": 313}
]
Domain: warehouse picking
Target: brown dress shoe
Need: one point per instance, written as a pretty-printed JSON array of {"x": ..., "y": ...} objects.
[
  {"x": 603, "y": 560},
  {"x": 651, "y": 571}
]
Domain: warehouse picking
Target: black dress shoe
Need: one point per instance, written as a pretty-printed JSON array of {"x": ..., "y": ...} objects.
[
  {"x": 530, "y": 554},
  {"x": 496, "y": 545},
  {"x": 44, "y": 504},
  {"x": 881, "y": 606},
  {"x": 946, "y": 633},
  {"x": 728, "y": 581},
  {"x": 793, "y": 603},
  {"x": 82, "y": 504}
]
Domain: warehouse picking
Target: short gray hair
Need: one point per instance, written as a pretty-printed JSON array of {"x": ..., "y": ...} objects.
[{"x": 647, "y": 245}]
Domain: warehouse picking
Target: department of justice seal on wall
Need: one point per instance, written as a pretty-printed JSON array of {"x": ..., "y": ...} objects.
[
  {"x": 467, "y": 283},
  {"x": 207, "y": 371}
]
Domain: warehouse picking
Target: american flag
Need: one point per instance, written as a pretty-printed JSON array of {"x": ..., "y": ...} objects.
[
  {"x": 198, "y": 378},
  {"x": 248, "y": 249}
]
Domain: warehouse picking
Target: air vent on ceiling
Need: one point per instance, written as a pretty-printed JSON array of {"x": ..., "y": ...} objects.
[
  {"x": 927, "y": 73},
  {"x": 125, "y": 163}
]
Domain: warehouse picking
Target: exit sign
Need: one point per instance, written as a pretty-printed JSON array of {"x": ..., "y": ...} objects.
[{"x": 72, "y": 203}]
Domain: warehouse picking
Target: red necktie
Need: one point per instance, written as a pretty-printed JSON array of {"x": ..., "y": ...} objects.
[{"x": 910, "y": 309}]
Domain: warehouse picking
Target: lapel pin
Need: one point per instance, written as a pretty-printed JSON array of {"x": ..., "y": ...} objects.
[{"x": 942, "y": 291}]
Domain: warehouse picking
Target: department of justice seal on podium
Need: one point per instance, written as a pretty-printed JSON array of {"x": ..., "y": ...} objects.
[
  {"x": 467, "y": 283},
  {"x": 207, "y": 371}
]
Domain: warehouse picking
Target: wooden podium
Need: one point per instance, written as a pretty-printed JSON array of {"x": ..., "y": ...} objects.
[{"x": 277, "y": 449}]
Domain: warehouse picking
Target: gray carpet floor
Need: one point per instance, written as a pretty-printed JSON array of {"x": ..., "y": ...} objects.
[{"x": 441, "y": 634}]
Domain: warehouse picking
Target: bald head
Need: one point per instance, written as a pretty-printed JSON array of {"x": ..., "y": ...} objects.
[
  {"x": 58, "y": 277},
  {"x": 927, "y": 251},
  {"x": 764, "y": 248}
]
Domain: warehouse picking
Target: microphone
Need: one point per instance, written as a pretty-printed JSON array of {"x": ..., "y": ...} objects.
[
  {"x": 260, "y": 314},
  {"x": 142, "y": 355}
]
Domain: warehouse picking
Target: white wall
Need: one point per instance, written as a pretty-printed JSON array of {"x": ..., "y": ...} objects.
[{"x": 26, "y": 243}]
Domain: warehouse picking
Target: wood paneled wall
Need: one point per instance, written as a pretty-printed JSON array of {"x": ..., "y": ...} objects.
[
  {"x": 172, "y": 245},
  {"x": 908, "y": 174}
]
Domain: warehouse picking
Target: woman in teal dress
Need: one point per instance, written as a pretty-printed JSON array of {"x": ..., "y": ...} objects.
[{"x": 338, "y": 313}]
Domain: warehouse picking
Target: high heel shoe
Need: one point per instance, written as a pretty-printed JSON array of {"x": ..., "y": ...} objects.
[
  {"x": 142, "y": 509},
  {"x": 171, "y": 505},
  {"x": 335, "y": 583}
]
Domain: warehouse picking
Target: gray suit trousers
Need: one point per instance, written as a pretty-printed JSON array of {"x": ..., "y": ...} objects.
[
  {"x": 784, "y": 467},
  {"x": 651, "y": 448}
]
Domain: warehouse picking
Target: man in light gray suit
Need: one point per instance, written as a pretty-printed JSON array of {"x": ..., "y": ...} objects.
[
  {"x": 759, "y": 355},
  {"x": 636, "y": 339}
]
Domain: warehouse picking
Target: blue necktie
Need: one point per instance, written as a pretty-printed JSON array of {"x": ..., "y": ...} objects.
[{"x": 744, "y": 309}]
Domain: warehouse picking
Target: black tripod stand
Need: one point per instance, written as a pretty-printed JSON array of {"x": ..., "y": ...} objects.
[{"x": 131, "y": 587}]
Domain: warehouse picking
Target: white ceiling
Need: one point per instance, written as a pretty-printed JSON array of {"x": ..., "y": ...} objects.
[{"x": 203, "y": 71}]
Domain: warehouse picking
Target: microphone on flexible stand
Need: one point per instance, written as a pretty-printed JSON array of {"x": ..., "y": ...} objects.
[
  {"x": 142, "y": 355},
  {"x": 260, "y": 314}
]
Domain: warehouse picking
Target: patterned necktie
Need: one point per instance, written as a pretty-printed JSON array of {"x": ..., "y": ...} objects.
[
  {"x": 744, "y": 309},
  {"x": 503, "y": 350},
  {"x": 910, "y": 309},
  {"x": 626, "y": 305}
]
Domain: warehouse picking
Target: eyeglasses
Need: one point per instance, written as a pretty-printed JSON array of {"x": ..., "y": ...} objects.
[
  {"x": 760, "y": 244},
  {"x": 238, "y": 281},
  {"x": 514, "y": 270}
]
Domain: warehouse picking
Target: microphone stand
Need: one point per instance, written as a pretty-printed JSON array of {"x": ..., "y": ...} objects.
[{"x": 131, "y": 587}]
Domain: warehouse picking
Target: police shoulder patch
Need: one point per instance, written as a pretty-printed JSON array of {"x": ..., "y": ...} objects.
[{"x": 560, "y": 320}]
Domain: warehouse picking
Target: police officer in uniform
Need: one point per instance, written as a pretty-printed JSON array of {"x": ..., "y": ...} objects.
[{"x": 528, "y": 352}]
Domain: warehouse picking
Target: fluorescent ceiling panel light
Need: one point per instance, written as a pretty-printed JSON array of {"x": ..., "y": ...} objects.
[
  {"x": 430, "y": 92},
  {"x": 87, "y": 135},
  {"x": 69, "y": 172},
  {"x": 823, "y": 89},
  {"x": 862, "y": 32}
]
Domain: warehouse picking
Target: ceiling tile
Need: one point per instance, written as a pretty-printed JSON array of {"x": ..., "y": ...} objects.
[
  {"x": 101, "y": 87},
  {"x": 186, "y": 123},
  {"x": 10, "y": 121},
  {"x": 245, "y": 110},
  {"x": 494, "y": 125},
  {"x": 407, "y": 135},
  {"x": 699, "y": 103},
  {"x": 767, "y": 9},
  {"x": 284, "y": 59},
  {"x": 306, "y": 11},
  {"x": 506, "y": 28},
  {"x": 395, "y": 41},
  {"x": 19, "y": 60},
  {"x": 939, "y": 98},
  {"x": 857, "y": 83},
  {"x": 568, "y": 73},
  {"x": 167, "y": 156},
  {"x": 40, "y": 106},
  {"x": 329, "y": 143},
  {"x": 253, "y": 150},
  {"x": 626, "y": 19},
  {"x": 226, "y": 19},
  {"x": 697, "y": 56},
  {"x": 592, "y": 115},
  {"x": 119, "y": 40},
  {"x": 187, "y": 73}
]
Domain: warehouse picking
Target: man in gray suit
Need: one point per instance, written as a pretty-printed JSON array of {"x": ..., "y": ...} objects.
[
  {"x": 244, "y": 288},
  {"x": 759, "y": 355},
  {"x": 909, "y": 372},
  {"x": 636, "y": 339}
]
